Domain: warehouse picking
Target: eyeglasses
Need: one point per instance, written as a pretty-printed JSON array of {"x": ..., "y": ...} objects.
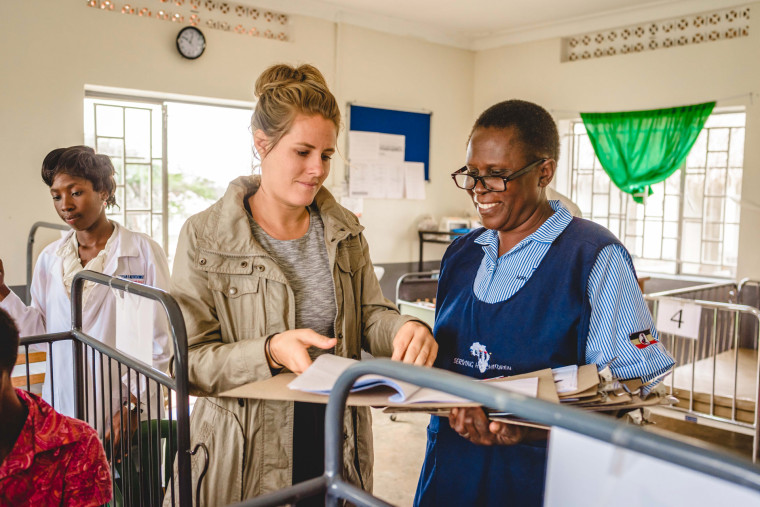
[{"x": 491, "y": 183}]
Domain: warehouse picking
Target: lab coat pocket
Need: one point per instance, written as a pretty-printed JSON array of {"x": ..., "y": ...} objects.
[{"x": 134, "y": 325}]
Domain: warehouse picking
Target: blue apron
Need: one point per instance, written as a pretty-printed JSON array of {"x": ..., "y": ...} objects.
[{"x": 543, "y": 325}]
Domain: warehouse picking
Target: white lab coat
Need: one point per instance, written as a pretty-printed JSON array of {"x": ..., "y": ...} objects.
[{"x": 134, "y": 256}]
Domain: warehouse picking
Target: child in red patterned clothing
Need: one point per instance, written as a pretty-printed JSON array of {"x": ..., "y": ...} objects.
[{"x": 45, "y": 458}]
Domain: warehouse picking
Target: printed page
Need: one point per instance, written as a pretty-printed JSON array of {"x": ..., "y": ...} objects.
[
  {"x": 525, "y": 386},
  {"x": 363, "y": 146},
  {"x": 392, "y": 147},
  {"x": 320, "y": 378},
  {"x": 566, "y": 378},
  {"x": 414, "y": 180}
]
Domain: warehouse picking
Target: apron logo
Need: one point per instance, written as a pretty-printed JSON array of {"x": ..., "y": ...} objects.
[
  {"x": 642, "y": 339},
  {"x": 482, "y": 354}
]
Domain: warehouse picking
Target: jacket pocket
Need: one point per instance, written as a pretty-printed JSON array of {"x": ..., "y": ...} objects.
[
  {"x": 350, "y": 257},
  {"x": 233, "y": 286},
  {"x": 239, "y": 305},
  {"x": 220, "y": 431},
  {"x": 213, "y": 262}
]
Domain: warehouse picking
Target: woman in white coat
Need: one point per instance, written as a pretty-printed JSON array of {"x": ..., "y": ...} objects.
[{"x": 82, "y": 186}]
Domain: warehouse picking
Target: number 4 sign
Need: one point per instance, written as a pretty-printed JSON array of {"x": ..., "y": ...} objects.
[{"x": 680, "y": 319}]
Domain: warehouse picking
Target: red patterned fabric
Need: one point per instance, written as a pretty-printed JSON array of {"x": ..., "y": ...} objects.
[{"x": 57, "y": 460}]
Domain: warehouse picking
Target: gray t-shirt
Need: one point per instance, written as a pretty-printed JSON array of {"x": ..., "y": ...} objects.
[{"x": 305, "y": 264}]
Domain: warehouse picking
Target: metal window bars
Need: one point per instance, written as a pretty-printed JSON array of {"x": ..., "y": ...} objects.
[
  {"x": 704, "y": 459},
  {"x": 691, "y": 224},
  {"x": 107, "y": 381}
]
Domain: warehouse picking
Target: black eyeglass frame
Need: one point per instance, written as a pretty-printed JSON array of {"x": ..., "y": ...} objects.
[{"x": 506, "y": 179}]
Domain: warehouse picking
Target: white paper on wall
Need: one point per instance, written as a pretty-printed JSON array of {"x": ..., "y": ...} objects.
[
  {"x": 414, "y": 180},
  {"x": 377, "y": 180},
  {"x": 354, "y": 204},
  {"x": 363, "y": 146},
  {"x": 374, "y": 146}
]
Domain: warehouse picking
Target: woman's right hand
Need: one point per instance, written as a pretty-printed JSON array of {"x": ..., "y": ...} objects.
[
  {"x": 4, "y": 290},
  {"x": 291, "y": 348}
]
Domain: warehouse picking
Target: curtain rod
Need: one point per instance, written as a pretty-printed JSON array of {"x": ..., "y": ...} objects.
[{"x": 724, "y": 99}]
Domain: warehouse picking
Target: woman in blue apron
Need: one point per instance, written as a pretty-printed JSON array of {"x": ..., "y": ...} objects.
[{"x": 534, "y": 288}]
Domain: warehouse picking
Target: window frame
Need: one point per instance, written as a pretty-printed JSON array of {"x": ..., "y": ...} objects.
[{"x": 630, "y": 224}]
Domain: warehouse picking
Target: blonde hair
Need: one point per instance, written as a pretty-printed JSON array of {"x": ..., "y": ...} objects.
[{"x": 283, "y": 92}]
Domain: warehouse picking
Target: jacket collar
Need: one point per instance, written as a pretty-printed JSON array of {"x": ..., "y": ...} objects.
[{"x": 228, "y": 229}]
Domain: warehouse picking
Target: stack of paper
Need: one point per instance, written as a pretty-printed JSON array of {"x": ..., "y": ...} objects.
[{"x": 593, "y": 393}]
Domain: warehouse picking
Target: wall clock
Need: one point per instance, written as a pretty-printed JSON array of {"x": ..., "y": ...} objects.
[{"x": 191, "y": 42}]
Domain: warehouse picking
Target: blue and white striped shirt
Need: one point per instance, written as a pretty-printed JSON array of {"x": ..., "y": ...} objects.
[{"x": 617, "y": 307}]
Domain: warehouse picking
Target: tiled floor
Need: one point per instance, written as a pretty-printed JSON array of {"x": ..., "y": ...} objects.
[{"x": 399, "y": 451}]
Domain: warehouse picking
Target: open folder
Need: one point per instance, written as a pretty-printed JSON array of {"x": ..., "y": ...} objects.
[
  {"x": 374, "y": 390},
  {"x": 578, "y": 386}
]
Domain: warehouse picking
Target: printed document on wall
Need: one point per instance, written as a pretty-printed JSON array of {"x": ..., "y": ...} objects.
[
  {"x": 374, "y": 146},
  {"x": 376, "y": 180},
  {"x": 414, "y": 180}
]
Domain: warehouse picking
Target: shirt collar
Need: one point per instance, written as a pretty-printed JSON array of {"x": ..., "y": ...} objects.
[
  {"x": 70, "y": 245},
  {"x": 547, "y": 233},
  {"x": 44, "y": 429}
]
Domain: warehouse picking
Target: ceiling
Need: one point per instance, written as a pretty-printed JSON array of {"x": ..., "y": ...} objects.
[{"x": 484, "y": 24}]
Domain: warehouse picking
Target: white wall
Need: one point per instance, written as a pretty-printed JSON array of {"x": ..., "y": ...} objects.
[
  {"x": 53, "y": 48},
  {"x": 664, "y": 78},
  {"x": 401, "y": 72}
]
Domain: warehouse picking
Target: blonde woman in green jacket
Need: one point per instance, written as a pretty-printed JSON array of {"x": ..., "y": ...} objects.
[{"x": 269, "y": 277}]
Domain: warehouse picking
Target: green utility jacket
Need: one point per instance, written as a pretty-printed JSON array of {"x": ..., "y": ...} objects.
[{"x": 233, "y": 295}]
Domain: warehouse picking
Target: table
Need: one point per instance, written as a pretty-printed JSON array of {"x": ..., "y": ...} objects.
[{"x": 440, "y": 237}]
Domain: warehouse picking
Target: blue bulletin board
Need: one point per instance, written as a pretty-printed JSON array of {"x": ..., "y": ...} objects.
[{"x": 414, "y": 125}]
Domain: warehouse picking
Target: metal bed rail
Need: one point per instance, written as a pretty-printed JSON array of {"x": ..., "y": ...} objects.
[
  {"x": 749, "y": 294},
  {"x": 415, "y": 295},
  {"x": 105, "y": 380},
  {"x": 715, "y": 292},
  {"x": 702, "y": 458},
  {"x": 720, "y": 332},
  {"x": 30, "y": 252},
  {"x": 725, "y": 292}
]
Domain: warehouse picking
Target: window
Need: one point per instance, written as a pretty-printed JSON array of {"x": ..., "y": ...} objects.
[
  {"x": 690, "y": 225},
  {"x": 172, "y": 159}
]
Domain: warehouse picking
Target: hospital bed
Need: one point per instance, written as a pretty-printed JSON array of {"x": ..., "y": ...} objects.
[
  {"x": 415, "y": 295},
  {"x": 717, "y": 375},
  {"x": 143, "y": 475}
]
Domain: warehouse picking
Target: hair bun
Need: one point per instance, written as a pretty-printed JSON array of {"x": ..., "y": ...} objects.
[
  {"x": 282, "y": 75},
  {"x": 283, "y": 92}
]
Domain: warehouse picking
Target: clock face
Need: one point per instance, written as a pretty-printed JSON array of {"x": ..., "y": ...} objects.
[{"x": 190, "y": 42}]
